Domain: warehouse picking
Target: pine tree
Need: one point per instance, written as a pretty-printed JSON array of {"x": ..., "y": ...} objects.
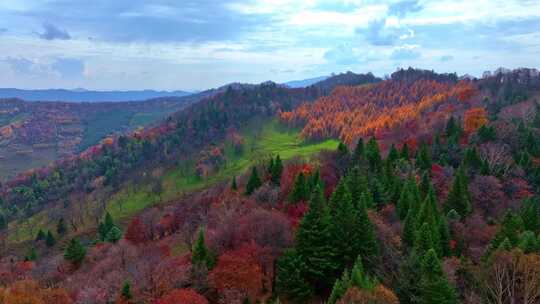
[
  {"x": 277, "y": 170},
  {"x": 459, "y": 197},
  {"x": 359, "y": 278},
  {"x": 3, "y": 220},
  {"x": 528, "y": 242},
  {"x": 405, "y": 152},
  {"x": 300, "y": 189},
  {"x": 114, "y": 235},
  {"x": 32, "y": 255},
  {"x": 345, "y": 227},
  {"x": 511, "y": 228},
  {"x": 126, "y": 291},
  {"x": 40, "y": 235},
  {"x": 409, "y": 229},
  {"x": 359, "y": 153},
  {"x": 530, "y": 215},
  {"x": 342, "y": 149},
  {"x": 369, "y": 246},
  {"x": 75, "y": 252},
  {"x": 61, "y": 227},
  {"x": 254, "y": 182},
  {"x": 429, "y": 215},
  {"x": 373, "y": 156},
  {"x": 434, "y": 286},
  {"x": 340, "y": 287},
  {"x": 423, "y": 158},
  {"x": 200, "y": 255},
  {"x": 109, "y": 223},
  {"x": 408, "y": 285},
  {"x": 314, "y": 243},
  {"x": 393, "y": 155},
  {"x": 314, "y": 181},
  {"x": 424, "y": 239},
  {"x": 425, "y": 185},
  {"x": 471, "y": 159},
  {"x": 290, "y": 278},
  {"x": 49, "y": 239},
  {"x": 234, "y": 186}
]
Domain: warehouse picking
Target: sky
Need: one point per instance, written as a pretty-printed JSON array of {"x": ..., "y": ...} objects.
[{"x": 200, "y": 44}]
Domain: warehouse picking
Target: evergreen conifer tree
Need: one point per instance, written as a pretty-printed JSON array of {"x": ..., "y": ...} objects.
[
  {"x": 234, "y": 186},
  {"x": 201, "y": 256},
  {"x": 373, "y": 156},
  {"x": 277, "y": 170},
  {"x": 434, "y": 286},
  {"x": 40, "y": 235},
  {"x": 423, "y": 158},
  {"x": 61, "y": 227},
  {"x": 75, "y": 252},
  {"x": 114, "y": 235},
  {"x": 254, "y": 182},
  {"x": 459, "y": 197},
  {"x": 126, "y": 291},
  {"x": 290, "y": 278},
  {"x": 49, "y": 239},
  {"x": 314, "y": 243},
  {"x": 300, "y": 189}
]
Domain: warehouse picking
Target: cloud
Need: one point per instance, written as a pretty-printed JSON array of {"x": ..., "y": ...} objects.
[
  {"x": 377, "y": 34},
  {"x": 149, "y": 20},
  {"x": 402, "y": 8},
  {"x": 69, "y": 67},
  {"x": 3, "y": 30},
  {"x": 20, "y": 65},
  {"x": 405, "y": 53},
  {"x": 446, "y": 58},
  {"x": 342, "y": 55},
  {"x": 51, "y": 32}
]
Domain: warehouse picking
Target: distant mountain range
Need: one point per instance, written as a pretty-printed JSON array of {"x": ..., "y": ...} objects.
[
  {"x": 305, "y": 82},
  {"x": 81, "y": 95}
]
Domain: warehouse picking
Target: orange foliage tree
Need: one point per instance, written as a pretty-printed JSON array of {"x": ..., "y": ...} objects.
[
  {"x": 474, "y": 118},
  {"x": 374, "y": 110},
  {"x": 29, "y": 292}
]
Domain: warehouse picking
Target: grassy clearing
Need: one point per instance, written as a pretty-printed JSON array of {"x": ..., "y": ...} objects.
[{"x": 261, "y": 141}]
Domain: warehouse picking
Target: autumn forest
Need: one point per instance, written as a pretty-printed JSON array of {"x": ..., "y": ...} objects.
[{"x": 416, "y": 188}]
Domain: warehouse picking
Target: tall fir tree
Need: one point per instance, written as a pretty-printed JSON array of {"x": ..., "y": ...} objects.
[
  {"x": 530, "y": 214},
  {"x": 49, "y": 239},
  {"x": 408, "y": 285},
  {"x": 423, "y": 158},
  {"x": 314, "y": 243},
  {"x": 234, "y": 186},
  {"x": 359, "y": 153},
  {"x": 434, "y": 286},
  {"x": 200, "y": 255},
  {"x": 405, "y": 154},
  {"x": 254, "y": 182},
  {"x": 425, "y": 184},
  {"x": 277, "y": 170},
  {"x": 393, "y": 155},
  {"x": 300, "y": 190},
  {"x": 367, "y": 239},
  {"x": 373, "y": 156},
  {"x": 429, "y": 214},
  {"x": 290, "y": 278},
  {"x": 459, "y": 196}
]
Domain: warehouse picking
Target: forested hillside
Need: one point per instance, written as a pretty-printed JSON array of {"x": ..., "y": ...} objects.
[{"x": 247, "y": 197}]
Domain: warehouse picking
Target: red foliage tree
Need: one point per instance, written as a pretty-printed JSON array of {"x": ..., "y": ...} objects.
[
  {"x": 238, "y": 270},
  {"x": 137, "y": 232},
  {"x": 182, "y": 296}
]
